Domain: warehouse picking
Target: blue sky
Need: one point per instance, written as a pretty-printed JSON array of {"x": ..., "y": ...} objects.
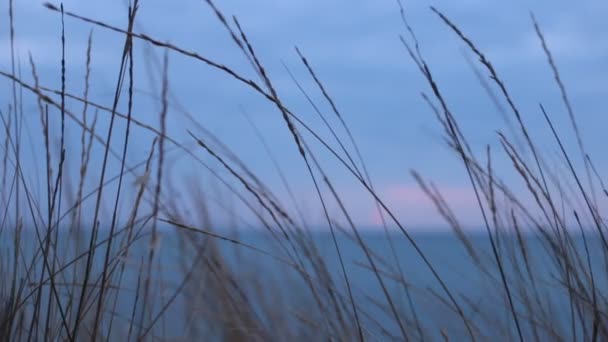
[{"x": 355, "y": 49}]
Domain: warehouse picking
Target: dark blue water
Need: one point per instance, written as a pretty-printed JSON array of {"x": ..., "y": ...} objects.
[{"x": 474, "y": 281}]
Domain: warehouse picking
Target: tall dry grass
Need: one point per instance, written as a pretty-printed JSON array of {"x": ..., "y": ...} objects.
[{"x": 79, "y": 265}]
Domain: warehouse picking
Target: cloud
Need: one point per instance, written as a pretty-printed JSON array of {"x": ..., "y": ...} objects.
[
  {"x": 568, "y": 44},
  {"x": 46, "y": 52},
  {"x": 39, "y": 48},
  {"x": 418, "y": 211}
]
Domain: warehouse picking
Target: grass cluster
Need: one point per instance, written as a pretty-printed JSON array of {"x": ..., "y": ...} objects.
[{"x": 76, "y": 264}]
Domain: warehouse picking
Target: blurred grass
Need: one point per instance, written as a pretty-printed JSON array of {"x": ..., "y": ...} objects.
[{"x": 88, "y": 268}]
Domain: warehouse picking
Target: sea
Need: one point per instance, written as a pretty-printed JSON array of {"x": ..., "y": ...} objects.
[{"x": 261, "y": 267}]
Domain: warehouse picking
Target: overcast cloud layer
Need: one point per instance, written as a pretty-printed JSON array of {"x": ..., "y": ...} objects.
[{"x": 354, "y": 47}]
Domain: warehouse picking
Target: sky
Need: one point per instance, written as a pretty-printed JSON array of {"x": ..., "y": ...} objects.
[{"x": 355, "y": 49}]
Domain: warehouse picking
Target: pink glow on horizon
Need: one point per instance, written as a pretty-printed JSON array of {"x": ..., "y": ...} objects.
[
  {"x": 415, "y": 209},
  {"x": 408, "y": 202}
]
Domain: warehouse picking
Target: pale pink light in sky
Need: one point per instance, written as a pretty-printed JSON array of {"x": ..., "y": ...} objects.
[
  {"x": 416, "y": 210},
  {"x": 408, "y": 202}
]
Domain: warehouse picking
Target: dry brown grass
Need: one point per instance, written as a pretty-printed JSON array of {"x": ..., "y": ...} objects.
[{"x": 97, "y": 284}]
